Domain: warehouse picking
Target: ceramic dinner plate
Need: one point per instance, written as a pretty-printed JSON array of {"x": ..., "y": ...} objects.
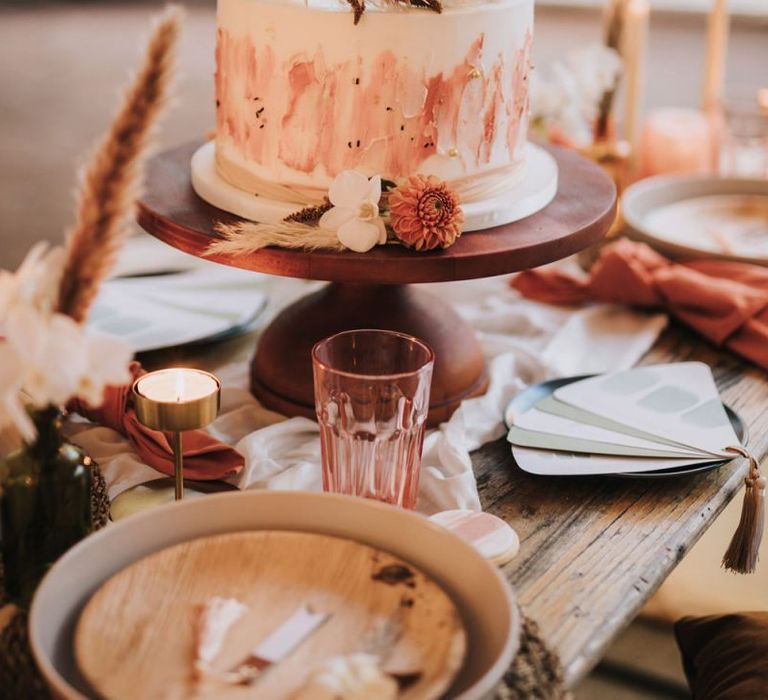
[
  {"x": 482, "y": 596},
  {"x": 700, "y": 217},
  {"x": 159, "y": 298},
  {"x": 369, "y": 601},
  {"x": 530, "y": 396}
]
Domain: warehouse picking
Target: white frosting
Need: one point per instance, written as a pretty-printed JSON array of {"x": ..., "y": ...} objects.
[{"x": 304, "y": 94}]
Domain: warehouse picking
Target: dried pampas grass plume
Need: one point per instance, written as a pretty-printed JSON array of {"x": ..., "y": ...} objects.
[
  {"x": 110, "y": 182},
  {"x": 247, "y": 237}
]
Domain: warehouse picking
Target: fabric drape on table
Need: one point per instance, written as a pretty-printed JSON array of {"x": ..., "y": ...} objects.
[
  {"x": 524, "y": 342},
  {"x": 726, "y": 302}
]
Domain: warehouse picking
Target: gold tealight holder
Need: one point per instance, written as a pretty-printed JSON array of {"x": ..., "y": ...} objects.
[{"x": 176, "y": 400}]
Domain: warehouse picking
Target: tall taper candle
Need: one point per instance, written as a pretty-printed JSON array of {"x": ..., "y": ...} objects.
[
  {"x": 714, "y": 62},
  {"x": 634, "y": 48}
]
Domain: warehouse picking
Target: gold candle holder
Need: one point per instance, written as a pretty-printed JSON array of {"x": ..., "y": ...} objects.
[{"x": 176, "y": 400}]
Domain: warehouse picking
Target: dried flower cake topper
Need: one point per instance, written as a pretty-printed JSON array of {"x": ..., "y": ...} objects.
[
  {"x": 358, "y": 6},
  {"x": 359, "y": 213}
]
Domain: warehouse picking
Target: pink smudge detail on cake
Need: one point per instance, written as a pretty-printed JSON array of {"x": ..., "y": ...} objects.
[
  {"x": 518, "y": 104},
  {"x": 299, "y": 135},
  {"x": 457, "y": 103},
  {"x": 382, "y": 129},
  {"x": 494, "y": 107},
  {"x": 243, "y": 87},
  {"x": 370, "y": 124},
  {"x": 388, "y": 120}
]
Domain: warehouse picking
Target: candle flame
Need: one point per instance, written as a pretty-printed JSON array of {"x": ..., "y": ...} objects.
[{"x": 179, "y": 385}]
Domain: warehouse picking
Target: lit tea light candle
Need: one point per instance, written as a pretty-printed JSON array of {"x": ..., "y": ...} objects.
[
  {"x": 176, "y": 400},
  {"x": 177, "y": 385}
]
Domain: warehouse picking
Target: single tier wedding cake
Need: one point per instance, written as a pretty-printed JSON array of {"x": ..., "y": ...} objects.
[
  {"x": 363, "y": 122},
  {"x": 303, "y": 93}
]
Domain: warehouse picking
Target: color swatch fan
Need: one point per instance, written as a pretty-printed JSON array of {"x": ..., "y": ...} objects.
[{"x": 662, "y": 418}]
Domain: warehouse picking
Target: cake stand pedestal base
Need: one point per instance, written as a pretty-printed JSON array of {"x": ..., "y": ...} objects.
[
  {"x": 371, "y": 290},
  {"x": 281, "y": 374}
]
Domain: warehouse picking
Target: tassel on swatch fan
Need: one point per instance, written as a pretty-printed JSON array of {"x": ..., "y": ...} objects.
[{"x": 742, "y": 554}]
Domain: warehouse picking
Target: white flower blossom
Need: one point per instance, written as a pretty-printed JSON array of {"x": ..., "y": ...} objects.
[
  {"x": 45, "y": 356},
  {"x": 569, "y": 100},
  {"x": 355, "y": 212},
  {"x": 36, "y": 281}
]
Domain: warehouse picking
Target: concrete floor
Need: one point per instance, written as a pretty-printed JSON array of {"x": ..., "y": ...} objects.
[{"x": 61, "y": 69}]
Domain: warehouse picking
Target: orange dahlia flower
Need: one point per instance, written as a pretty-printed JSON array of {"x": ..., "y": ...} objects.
[{"x": 425, "y": 214}]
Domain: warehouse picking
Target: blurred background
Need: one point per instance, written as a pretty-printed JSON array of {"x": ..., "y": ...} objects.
[{"x": 62, "y": 66}]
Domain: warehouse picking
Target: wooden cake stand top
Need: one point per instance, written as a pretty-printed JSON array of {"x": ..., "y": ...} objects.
[{"x": 579, "y": 216}]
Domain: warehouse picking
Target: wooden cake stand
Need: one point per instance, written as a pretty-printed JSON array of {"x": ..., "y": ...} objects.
[{"x": 374, "y": 290}]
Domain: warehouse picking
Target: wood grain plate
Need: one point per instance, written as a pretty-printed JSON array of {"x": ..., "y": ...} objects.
[{"x": 136, "y": 636}]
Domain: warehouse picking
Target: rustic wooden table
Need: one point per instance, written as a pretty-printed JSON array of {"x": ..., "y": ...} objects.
[{"x": 593, "y": 550}]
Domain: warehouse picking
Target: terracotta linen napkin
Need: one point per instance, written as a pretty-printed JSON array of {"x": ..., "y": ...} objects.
[
  {"x": 726, "y": 302},
  {"x": 205, "y": 458}
]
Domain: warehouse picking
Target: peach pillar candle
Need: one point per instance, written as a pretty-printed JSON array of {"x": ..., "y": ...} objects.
[
  {"x": 676, "y": 141},
  {"x": 634, "y": 47},
  {"x": 714, "y": 63}
]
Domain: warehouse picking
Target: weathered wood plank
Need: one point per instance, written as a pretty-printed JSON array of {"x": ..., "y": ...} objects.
[{"x": 594, "y": 549}]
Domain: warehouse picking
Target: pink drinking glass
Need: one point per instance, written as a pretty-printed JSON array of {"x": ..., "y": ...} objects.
[{"x": 372, "y": 398}]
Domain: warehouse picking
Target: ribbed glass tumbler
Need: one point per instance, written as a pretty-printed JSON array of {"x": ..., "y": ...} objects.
[{"x": 372, "y": 399}]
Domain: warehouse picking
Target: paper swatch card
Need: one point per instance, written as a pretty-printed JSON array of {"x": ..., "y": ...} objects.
[
  {"x": 537, "y": 428},
  {"x": 558, "y": 408},
  {"x": 651, "y": 419},
  {"x": 678, "y": 402},
  {"x": 548, "y": 463}
]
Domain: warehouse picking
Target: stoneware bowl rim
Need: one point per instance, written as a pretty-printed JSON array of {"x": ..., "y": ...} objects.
[{"x": 472, "y": 582}]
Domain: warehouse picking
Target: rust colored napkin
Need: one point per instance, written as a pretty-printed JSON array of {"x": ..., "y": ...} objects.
[
  {"x": 205, "y": 458},
  {"x": 726, "y": 302}
]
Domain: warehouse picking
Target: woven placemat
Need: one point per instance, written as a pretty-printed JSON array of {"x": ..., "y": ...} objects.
[{"x": 535, "y": 673}]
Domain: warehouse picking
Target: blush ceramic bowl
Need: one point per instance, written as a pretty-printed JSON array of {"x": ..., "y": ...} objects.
[{"x": 482, "y": 595}]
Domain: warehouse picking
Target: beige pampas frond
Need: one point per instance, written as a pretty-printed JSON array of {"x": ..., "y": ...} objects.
[
  {"x": 248, "y": 237},
  {"x": 111, "y": 180}
]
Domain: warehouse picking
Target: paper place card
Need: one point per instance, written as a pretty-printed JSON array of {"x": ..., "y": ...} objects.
[{"x": 289, "y": 635}]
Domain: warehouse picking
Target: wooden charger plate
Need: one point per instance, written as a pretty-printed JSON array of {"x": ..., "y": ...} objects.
[{"x": 136, "y": 636}]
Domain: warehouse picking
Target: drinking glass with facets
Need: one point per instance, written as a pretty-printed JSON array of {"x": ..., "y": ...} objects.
[{"x": 372, "y": 398}]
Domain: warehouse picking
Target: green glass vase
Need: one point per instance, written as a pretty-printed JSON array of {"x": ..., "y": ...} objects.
[{"x": 45, "y": 505}]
